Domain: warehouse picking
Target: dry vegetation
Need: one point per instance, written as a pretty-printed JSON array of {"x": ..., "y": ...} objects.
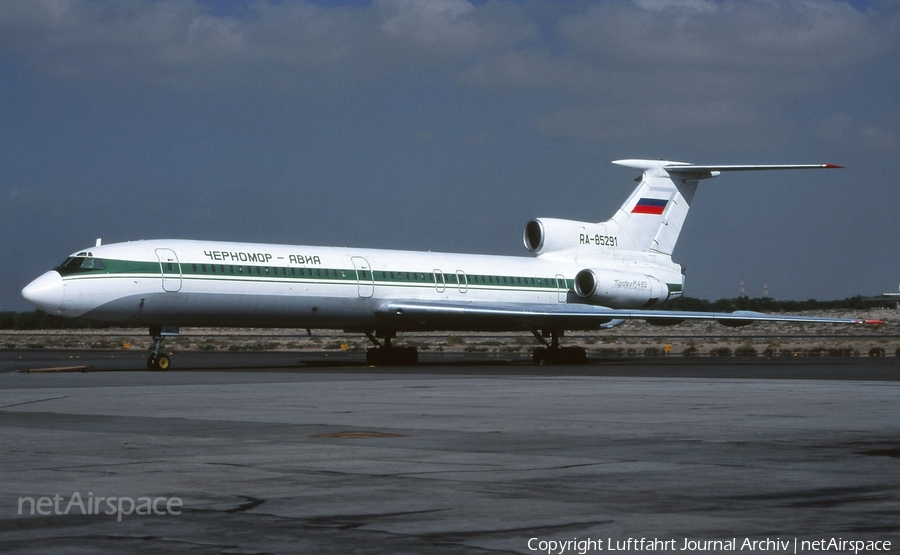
[{"x": 635, "y": 338}]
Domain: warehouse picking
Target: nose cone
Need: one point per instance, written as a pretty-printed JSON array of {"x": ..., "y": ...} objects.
[{"x": 46, "y": 292}]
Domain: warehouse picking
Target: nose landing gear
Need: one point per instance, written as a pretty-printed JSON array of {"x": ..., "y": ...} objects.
[{"x": 158, "y": 360}]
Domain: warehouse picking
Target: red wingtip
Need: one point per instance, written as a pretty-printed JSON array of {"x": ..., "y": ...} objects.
[
  {"x": 833, "y": 166},
  {"x": 873, "y": 322}
]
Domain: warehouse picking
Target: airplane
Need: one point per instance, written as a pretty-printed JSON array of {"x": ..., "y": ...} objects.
[{"x": 581, "y": 276}]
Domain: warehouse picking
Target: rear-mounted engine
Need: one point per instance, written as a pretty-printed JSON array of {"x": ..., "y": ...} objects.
[
  {"x": 619, "y": 289},
  {"x": 552, "y": 235}
]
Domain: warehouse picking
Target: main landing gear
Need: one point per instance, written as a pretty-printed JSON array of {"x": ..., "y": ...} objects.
[
  {"x": 388, "y": 355},
  {"x": 552, "y": 353},
  {"x": 158, "y": 360}
]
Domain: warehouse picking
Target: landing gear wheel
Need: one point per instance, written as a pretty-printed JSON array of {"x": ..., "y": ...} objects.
[
  {"x": 573, "y": 355},
  {"x": 392, "y": 356},
  {"x": 559, "y": 355},
  {"x": 553, "y": 353},
  {"x": 163, "y": 362},
  {"x": 159, "y": 362},
  {"x": 374, "y": 356},
  {"x": 388, "y": 355},
  {"x": 411, "y": 357}
]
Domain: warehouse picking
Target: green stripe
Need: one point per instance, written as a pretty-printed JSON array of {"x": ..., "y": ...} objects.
[{"x": 306, "y": 274}]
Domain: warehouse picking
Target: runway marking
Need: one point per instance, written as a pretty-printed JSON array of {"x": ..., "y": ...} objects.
[
  {"x": 357, "y": 435},
  {"x": 33, "y": 401},
  {"x": 81, "y": 368}
]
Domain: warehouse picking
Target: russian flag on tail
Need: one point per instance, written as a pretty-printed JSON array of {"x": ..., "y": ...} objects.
[{"x": 650, "y": 206}]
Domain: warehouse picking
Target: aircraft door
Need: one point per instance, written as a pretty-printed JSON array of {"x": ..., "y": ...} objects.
[
  {"x": 170, "y": 269},
  {"x": 439, "y": 282},
  {"x": 462, "y": 280},
  {"x": 562, "y": 288},
  {"x": 365, "y": 277}
]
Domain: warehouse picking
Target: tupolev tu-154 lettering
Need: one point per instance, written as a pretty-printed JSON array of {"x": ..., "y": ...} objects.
[{"x": 582, "y": 276}]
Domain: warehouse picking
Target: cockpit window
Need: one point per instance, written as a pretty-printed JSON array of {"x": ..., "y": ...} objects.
[
  {"x": 93, "y": 263},
  {"x": 80, "y": 263}
]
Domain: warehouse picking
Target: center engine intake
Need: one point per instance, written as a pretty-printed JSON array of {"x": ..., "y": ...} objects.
[{"x": 545, "y": 235}]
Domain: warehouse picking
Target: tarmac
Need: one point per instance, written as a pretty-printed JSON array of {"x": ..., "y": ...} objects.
[{"x": 244, "y": 453}]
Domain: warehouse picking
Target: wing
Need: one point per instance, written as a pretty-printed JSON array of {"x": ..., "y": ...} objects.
[{"x": 465, "y": 315}]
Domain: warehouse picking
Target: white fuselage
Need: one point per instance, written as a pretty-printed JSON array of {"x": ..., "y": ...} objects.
[{"x": 203, "y": 283}]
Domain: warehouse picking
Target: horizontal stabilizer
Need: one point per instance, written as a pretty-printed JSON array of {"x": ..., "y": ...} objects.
[
  {"x": 690, "y": 171},
  {"x": 695, "y": 172},
  {"x": 689, "y": 168}
]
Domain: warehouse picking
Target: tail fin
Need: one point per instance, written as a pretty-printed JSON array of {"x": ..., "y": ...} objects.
[{"x": 652, "y": 217}]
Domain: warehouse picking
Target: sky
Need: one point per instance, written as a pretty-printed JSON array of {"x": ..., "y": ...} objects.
[{"x": 445, "y": 125}]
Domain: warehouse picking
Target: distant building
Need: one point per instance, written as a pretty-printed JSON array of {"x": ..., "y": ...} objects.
[{"x": 887, "y": 299}]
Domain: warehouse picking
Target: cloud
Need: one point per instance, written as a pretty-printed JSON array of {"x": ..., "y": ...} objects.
[
  {"x": 840, "y": 129},
  {"x": 802, "y": 44},
  {"x": 432, "y": 22},
  {"x": 183, "y": 44},
  {"x": 657, "y": 5},
  {"x": 614, "y": 68},
  {"x": 727, "y": 119},
  {"x": 654, "y": 64}
]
